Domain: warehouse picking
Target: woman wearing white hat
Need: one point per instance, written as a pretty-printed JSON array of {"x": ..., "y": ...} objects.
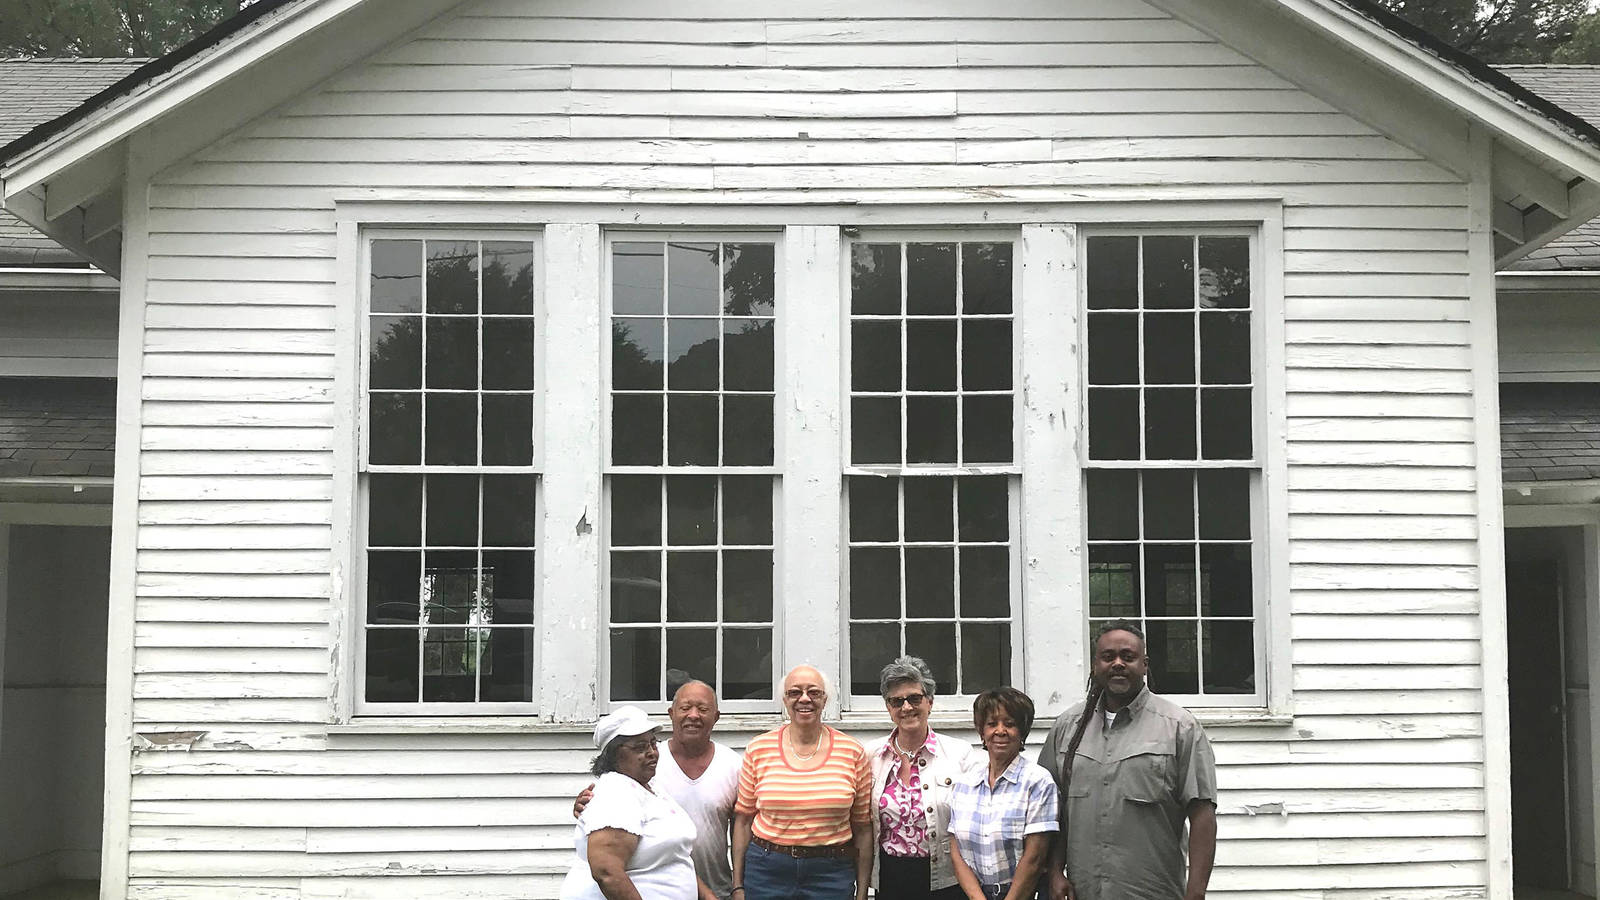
[{"x": 633, "y": 844}]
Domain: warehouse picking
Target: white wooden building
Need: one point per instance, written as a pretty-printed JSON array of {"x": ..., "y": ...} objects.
[{"x": 485, "y": 364}]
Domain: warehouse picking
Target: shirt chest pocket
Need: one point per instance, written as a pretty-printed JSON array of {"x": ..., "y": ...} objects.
[{"x": 1144, "y": 774}]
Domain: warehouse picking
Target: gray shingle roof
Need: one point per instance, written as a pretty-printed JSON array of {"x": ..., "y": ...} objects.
[
  {"x": 1549, "y": 432},
  {"x": 34, "y": 91},
  {"x": 57, "y": 427},
  {"x": 1577, "y": 88}
]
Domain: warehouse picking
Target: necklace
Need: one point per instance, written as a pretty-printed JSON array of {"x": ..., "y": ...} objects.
[
  {"x": 907, "y": 755},
  {"x": 795, "y": 748}
]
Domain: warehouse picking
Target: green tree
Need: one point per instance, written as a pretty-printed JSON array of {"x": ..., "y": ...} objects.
[
  {"x": 106, "y": 27},
  {"x": 1508, "y": 31}
]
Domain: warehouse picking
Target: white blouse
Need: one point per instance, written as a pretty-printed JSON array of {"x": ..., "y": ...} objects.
[{"x": 661, "y": 867}]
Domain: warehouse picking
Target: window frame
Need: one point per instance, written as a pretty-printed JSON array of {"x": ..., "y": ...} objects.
[
  {"x": 1265, "y": 318},
  {"x": 363, "y": 469},
  {"x": 609, "y": 237}
]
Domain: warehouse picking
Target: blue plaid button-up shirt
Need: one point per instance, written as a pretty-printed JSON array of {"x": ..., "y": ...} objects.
[{"x": 989, "y": 824}]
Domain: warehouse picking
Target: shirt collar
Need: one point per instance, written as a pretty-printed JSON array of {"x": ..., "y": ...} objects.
[
  {"x": 930, "y": 746},
  {"x": 979, "y": 775},
  {"x": 1134, "y": 706}
]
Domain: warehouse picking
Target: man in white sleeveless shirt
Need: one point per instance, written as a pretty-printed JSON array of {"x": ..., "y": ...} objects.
[{"x": 702, "y": 776}]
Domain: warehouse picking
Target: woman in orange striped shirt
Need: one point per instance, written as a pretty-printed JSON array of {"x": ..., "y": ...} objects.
[{"x": 802, "y": 823}]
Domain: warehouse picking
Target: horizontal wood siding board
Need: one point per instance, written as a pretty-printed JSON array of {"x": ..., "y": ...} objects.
[{"x": 1375, "y": 790}]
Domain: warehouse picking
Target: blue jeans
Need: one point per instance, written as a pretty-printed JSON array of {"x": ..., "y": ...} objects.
[{"x": 777, "y": 876}]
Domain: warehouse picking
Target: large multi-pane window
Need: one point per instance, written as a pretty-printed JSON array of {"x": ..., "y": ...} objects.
[
  {"x": 691, "y": 460},
  {"x": 932, "y": 460},
  {"x": 1173, "y": 468},
  {"x": 448, "y": 481}
]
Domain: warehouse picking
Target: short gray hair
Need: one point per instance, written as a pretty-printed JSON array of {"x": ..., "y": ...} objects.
[{"x": 907, "y": 668}]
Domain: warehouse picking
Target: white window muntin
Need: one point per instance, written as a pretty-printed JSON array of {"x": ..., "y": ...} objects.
[
  {"x": 665, "y": 469},
  {"x": 1254, "y": 464},
  {"x": 1011, "y": 470},
  {"x": 366, "y": 470}
]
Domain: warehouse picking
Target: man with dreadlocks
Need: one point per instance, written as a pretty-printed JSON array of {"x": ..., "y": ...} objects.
[{"x": 1132, "y": 768}]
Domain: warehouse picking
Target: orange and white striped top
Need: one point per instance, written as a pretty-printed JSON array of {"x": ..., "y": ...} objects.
[{"x": 805, "y": 803}]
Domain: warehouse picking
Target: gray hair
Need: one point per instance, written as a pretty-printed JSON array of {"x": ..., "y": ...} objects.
[{"x": 907, "y": 668}]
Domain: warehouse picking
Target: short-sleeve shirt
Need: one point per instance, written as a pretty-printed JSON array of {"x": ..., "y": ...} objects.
[
  {"x": 991, "y": 824},
  {"x": 805, "y": 803},
  {"x": 1129, "y": 797},
  {"x": 660, "y": 867},
  {"x": 709, "y": 802}
]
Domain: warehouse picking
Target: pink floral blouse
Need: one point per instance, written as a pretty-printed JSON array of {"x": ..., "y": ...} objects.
[{"x": 902, "y": 825}]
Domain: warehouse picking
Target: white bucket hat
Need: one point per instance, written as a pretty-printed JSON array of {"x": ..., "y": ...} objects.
[{"x": 625, "y": 721}]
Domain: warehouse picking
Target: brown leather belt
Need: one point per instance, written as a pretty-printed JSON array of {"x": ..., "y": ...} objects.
[{"x": 829, "y": 851}]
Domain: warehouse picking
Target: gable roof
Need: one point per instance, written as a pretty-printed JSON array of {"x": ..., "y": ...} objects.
[
  {"x": 1576, "y": 89},
  {"x": 34, "y": 92}
]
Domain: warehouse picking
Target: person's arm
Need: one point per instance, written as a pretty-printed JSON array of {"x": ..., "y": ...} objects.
[
  {"x": 741, "y": 842},
  {"x": 1202, "y": 847},
  {"x": 861, "y": 837},
  {"x": 609, "y": 850},
  {"x": 964, "y": 874},
  {"x": 704, "y": 892},
  {"x": 1056, "y": 862},
  {"x": 1035, "y": 853}
]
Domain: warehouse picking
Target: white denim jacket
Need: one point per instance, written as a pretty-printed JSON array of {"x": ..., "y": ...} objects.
[{"x": 947, "y": 760}]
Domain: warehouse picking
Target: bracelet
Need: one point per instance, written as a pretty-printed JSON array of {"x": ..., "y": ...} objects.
[{"x": 737, "y": 887}]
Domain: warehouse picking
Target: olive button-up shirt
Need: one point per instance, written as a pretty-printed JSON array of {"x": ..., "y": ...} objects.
[{"x": 1128, "y": 800}]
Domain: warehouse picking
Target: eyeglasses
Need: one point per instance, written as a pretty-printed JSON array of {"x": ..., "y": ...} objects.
[
  {"x": 913, "y": 699},
  {"x": 643, "y": 745},
  {"x": 810, "y": 693}
]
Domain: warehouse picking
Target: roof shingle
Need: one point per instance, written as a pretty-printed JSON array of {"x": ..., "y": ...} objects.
[
  {"x": 1549, "y": 432},
  {"x": 57, "y": 427}
]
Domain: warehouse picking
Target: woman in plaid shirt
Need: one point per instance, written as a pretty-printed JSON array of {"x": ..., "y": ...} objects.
[{"x": 1002, "y": 815}]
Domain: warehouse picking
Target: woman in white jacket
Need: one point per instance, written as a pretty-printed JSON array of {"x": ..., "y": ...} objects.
[{"x": 914, "y": 771}]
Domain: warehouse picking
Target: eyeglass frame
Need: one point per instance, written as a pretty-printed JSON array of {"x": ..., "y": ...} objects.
[{"x": 897, "y": 702}]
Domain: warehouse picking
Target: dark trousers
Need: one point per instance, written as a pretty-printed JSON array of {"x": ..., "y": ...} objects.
[{"x": 906, "y": 878}]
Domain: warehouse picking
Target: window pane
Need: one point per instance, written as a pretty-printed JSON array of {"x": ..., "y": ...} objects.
[
  {"x": 874, "y": 508},
  {"x": 747, "y": 349},
  {"x": 452, "y": 510},
  {"x": 1226, "y": 589},
  {"x": 930, "y": 279},
  {"x": 986, "y": 355},
  {"x": 1224, "y": 504},
  {"x": 638, "y": 278},
  {"x": 452, "y": 276},
  {"x": 874, "y": 583},
  {"x": 747, "y": 664},
  {"x": 452, "y": 352},
  {"x": 930, "y": 583},
  {"x": 392, "y": 658},
  {"x": 636, "y": 429},
  {"x": 872, "y": 646},
  {"x": 635, "y": 511},
  {"x": 875, "y": 356},
  {"x": 1169, "y": 348},
  {"x": 1169, "y": 580},
  {"x": 747, "y": 438},
  {"x": 638, "y": 347},
  {"x": 452, "y": 429},
  {"x": 508, "y": 354},
  {"x": 746, "y": 510},
  {"x": 1113, "y": 277},
  {"x": 985, "y": 656},
  {"x": 508, "y": 577},
  {"x": 636, "y": 664},
  {"x": 394, "y": 510},
  {"x": 1113, "y": 504},
  {"x": 1169, "y": 423},
  {"x": 1230, "y": 657},
  {"x": 691, "y": 655},
  {"x": 747, "y": 279},
  {"x": 1168, "y": 272},
  {"x": 1225, "y": 272},
  {"x": 985, "y": 279},
  {"x": 692, "y": 586},
  {"x": 507, "y": 429},
  {"x": 930, "y": 429},
  {"x": 1225, "y": 348},
  {"x": 395, "y": 352},
  {"x": 693, "y": 279},
  {"x": 396, "y": 276},
  {"x": 693, "y": 429},
  {"x": 874, "y": 430},
  {"x": 986, "y": 430},
  {"x": 393, "y": 596},
  {"x": 509, "y": 516},
  {"x": 1227, "y": 420},
  {"x": 931, "y": 356},
  {"x": 394, "y": 429},
  {"x": 635, "y": 586},
  {"x": 983, "y": 505},
  {"x": 986, "y": 582},
  {"x": 510, "y": 677},
  {"x": 508, "y": 277},
  {"x": 1168, "y": 505},
  {"x": 875, "y": 279},
  {"x": 1113, "y": 424},
  {"x": 1174, "y": 657},
  {"x": 693, "y": 354},
  {"x": 747, "y": 586},
  {"x": 936, "y": 644},
  {"x": 691, "y": 510},
  {"x": 1114, "y": 581},
  {"x": 1113, "y": 348},
  {"x": 930, "y": 509}
]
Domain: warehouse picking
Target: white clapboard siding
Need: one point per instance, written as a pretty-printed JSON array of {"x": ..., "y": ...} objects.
[
  {"x": 1375, "y": 790},
  {"x": 1542, "y": 339}
]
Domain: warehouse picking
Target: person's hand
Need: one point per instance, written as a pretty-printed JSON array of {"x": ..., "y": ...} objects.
[
  {"x": 582, "y": 800},
  {"x": 1060, "y": 887},
  {"x": 1190, "y": 895}
]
